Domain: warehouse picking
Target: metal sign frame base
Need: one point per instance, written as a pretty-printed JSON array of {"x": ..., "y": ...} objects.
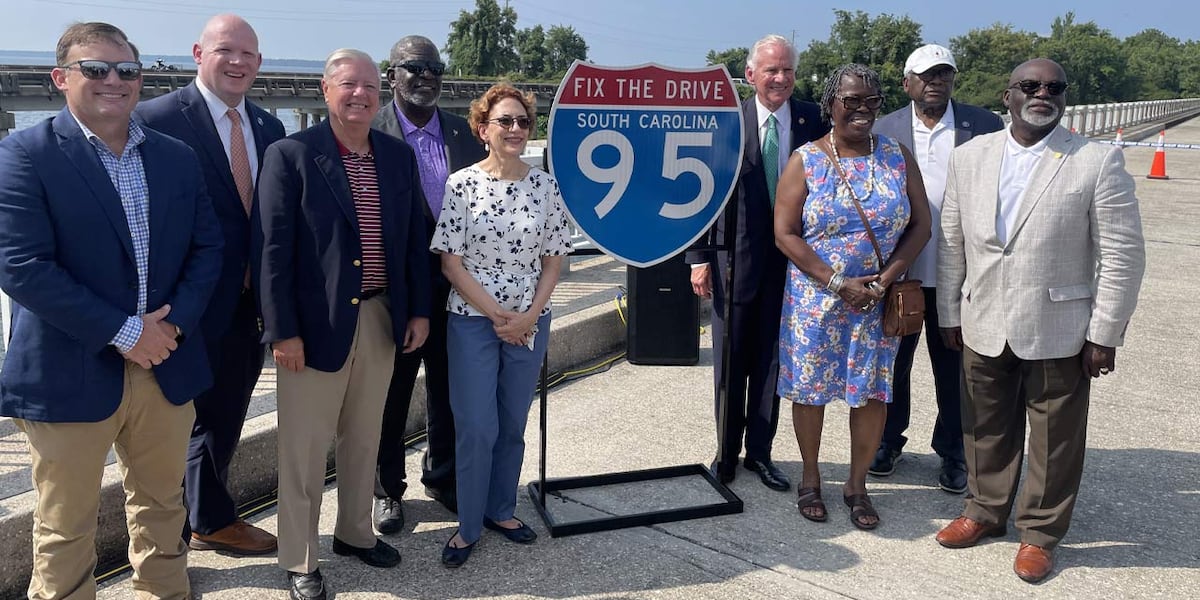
[{"x": 732, "y": 504}]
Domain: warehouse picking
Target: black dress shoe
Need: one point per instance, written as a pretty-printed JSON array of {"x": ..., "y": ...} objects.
[
  {"x": 884, "y": 463},
  {"x": 456, "y": 557},
  {"x": 770, "y": 474},
  {"x": 953, "y": 477},
  {"x": 306, "y": 586},
  {"x": 388, "y": 515},
  {"x": 446, "y": 497},
  {"x": 521, "y": 535},
  {"x": 724, "y": 472},
  {"x": 380, "y": 555}
]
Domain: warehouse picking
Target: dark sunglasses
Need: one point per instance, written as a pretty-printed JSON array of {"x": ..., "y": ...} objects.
[
  {"x": 1031, "y": 86},
  {"x": 416, "y": 67},
  {"x": 507, "y": 122},
  {"x": 945, "y": 74},
  {"x": 854, "y": 102},
  {"x": 99, "y": 69}
]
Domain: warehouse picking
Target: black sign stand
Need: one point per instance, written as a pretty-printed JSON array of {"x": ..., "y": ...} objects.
[{"x": 731, "y": 504}]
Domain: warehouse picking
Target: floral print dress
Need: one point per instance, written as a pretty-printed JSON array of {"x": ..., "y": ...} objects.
[
  {"x": 828, "y": 349},
  {"x": 502, "y": 229}
]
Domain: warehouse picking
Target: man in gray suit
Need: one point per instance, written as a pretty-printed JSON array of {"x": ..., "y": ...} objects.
[
  {"x": 930, "y": 127},
  {"x": 443, "y": 143},
  {"x": 1039, "y": 267}
]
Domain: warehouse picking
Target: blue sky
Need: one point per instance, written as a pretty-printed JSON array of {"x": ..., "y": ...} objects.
[{"x": 619, "y": 32}]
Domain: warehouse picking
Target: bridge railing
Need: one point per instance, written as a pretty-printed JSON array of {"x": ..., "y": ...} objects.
[{"x": 1092, "y": 120}]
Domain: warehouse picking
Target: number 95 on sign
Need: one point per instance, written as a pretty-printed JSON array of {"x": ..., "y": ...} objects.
[{"x": 644, "y": 182}]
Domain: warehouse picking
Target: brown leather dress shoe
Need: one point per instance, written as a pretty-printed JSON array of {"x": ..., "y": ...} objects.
[
  {"x": 964, "y": 533},
  {"x": 1033, "y": 563},
  {"x": 239, "y": 538}
]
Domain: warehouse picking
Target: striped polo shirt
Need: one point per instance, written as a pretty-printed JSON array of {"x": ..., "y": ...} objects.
[{"x": 364, "y": 189}]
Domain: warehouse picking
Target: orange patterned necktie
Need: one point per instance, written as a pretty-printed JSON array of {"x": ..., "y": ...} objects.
[{"x": 239, "y": 163}]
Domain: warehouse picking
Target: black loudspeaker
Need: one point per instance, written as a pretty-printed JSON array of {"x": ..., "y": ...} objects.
[{"x": 664, "y": 315}]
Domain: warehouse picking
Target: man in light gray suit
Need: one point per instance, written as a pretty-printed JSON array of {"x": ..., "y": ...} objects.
[
  {"x": 1039, "y": 267},
  {"x": 930, "y": 126}
]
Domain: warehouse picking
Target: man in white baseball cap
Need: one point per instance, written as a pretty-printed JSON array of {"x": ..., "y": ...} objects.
[{"x": 930, "y": 127}]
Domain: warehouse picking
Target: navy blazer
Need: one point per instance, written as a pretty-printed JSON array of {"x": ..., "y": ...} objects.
[
  {"x": 66, "y": 259},
  {"x": 969, "y": 121},
  {"x": 462, "y": 149},
  {"x": 755, "y": 239},
  {"x": 307, "y": 246},
  {"x": 183, "y": 114}
]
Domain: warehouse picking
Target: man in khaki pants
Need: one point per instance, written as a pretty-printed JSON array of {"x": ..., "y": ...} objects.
[{"x": 108, "y": 283}]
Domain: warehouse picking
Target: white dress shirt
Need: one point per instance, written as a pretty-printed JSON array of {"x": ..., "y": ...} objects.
[
  {"x": 783, "y": 117},
  {"x": 932, "y": 148},
  {"x": 1015, "y": 170},
  {"x": 218, "y": 109}
]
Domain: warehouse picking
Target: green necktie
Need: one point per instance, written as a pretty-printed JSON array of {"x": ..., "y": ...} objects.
[{"x": 770, "y": 151}]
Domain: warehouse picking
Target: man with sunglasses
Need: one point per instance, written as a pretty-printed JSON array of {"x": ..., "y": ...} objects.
[
  {"x": 776, "y": 124},
  {"x": 110, "y": 252},
  {"x": 443, "y": 143},
  {"x": 1040, "y": 261},
  {"x": 930, "y": 127},
  {"x": 230, "y": 133}
]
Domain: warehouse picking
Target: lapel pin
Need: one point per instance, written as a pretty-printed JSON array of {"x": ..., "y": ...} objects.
[
  {"x": 800, "y": 120},
  {"x": 966, "y": 124},
  {"x": 1058, "y": 155},
  {"x": 260, "y": 122}
]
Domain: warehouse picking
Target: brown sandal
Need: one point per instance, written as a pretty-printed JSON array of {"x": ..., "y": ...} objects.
[
  {"x": 810, "y": 504},
  {"x": 861, "y": 510}
]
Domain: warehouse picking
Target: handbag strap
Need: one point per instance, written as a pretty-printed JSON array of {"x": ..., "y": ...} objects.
[{"x": 861, "y": 213}]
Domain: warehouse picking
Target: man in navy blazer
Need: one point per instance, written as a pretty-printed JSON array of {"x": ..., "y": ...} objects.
[
  {"x": 931, "y": 126},
  {"x": 109, "y": 251},
  {"x": 444, "y": 144},
  {"x": 227, "y": 61},
  {"x": 344, "y": 283},
  {"x": 760, "y": 269}
]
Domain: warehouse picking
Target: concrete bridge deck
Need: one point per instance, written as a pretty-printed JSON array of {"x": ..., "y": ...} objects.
[{"x": 1134, "y": 534}]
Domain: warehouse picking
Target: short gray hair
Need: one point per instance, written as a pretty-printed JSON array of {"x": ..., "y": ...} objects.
[
  {"x": 772, "y": 40},
  {"x": 342, "y": 55}
]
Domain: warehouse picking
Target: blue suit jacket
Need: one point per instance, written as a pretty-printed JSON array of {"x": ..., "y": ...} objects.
[
  {"x": 306, "y": 242},
  {"x": 66, "y": 259},
  {"x": 183, "y": 114}
]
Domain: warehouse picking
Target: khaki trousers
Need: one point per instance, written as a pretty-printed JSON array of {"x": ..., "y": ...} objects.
[
  {"x": 150, "y": 436},
  {"x": 315, "y": 407},
  {"x": 999, "y": 394}
]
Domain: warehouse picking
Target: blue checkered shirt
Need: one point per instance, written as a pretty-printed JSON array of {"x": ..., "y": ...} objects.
[{"x": 129, "y": 179}]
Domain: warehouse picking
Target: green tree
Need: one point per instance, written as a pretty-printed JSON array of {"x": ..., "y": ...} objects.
[
  {"x": 483, "y": 42},
  {"x": 986, "y": 58},
  {"x": 563, "y": 46},
  {"x": 882, "y": 43},
  {"x": 734, "y": 59},
  {"x": 531, "y": 50},
  {"x": 1153, "y": 60},
  {"x": 1092, "y": 58},
  {"x": 1189, "y": 70}
]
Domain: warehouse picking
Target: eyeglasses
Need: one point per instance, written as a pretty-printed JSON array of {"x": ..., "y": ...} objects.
[
  {"x": 417, "y": 67},
  {"x": 1031, "y": 86},
  {"x": 99, "y": 69},
  {"x": 507, "y": 122},
  {"x": 855, "y": 102},
  {"x": 944, "y": 74}
]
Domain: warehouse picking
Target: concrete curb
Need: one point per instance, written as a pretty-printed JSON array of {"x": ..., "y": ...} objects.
[{"x": 575, "y": 340}]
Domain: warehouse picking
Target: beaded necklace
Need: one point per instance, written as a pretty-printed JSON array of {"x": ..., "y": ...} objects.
[{"x": 837, "y": 164}]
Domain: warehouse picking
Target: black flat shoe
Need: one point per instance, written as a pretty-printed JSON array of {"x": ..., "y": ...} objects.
[
  {"x": 953, "y": 476},
  {"x": 884, "y": 463},
  {"x": 380, "y": 555},
  {"x": 521, "y": 535},
  {"x": 771, "y": 475},
  {"x": 456, "y": 557},
  {"x": 388, "y": 515},
  {"x": 306, "y": 586}
]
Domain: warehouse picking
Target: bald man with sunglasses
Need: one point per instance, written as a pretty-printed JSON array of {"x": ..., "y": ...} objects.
[
  {"x": 443, "y": 143},
  {"x": 110, "y": 252}
]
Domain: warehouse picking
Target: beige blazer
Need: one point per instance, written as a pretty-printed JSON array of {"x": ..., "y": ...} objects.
[{"x": 1073, "y": 263}]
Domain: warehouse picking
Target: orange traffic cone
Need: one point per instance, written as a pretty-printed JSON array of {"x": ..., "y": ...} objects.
[
  {"x": 1119, "y": 140},
  {"x": 1158, "y": 169}
]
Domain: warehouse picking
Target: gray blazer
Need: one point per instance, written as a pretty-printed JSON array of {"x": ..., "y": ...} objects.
[{"x": 1073, "y": 264}]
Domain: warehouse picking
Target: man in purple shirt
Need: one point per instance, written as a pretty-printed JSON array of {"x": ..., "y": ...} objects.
[{"x": 443, "y": 143}]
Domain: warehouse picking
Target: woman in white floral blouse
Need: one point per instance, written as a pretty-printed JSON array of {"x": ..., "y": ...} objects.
[{"x": 503, "y": 234}]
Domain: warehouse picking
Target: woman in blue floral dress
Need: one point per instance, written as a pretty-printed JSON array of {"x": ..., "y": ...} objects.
[{"x": 831, "y": 341}]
